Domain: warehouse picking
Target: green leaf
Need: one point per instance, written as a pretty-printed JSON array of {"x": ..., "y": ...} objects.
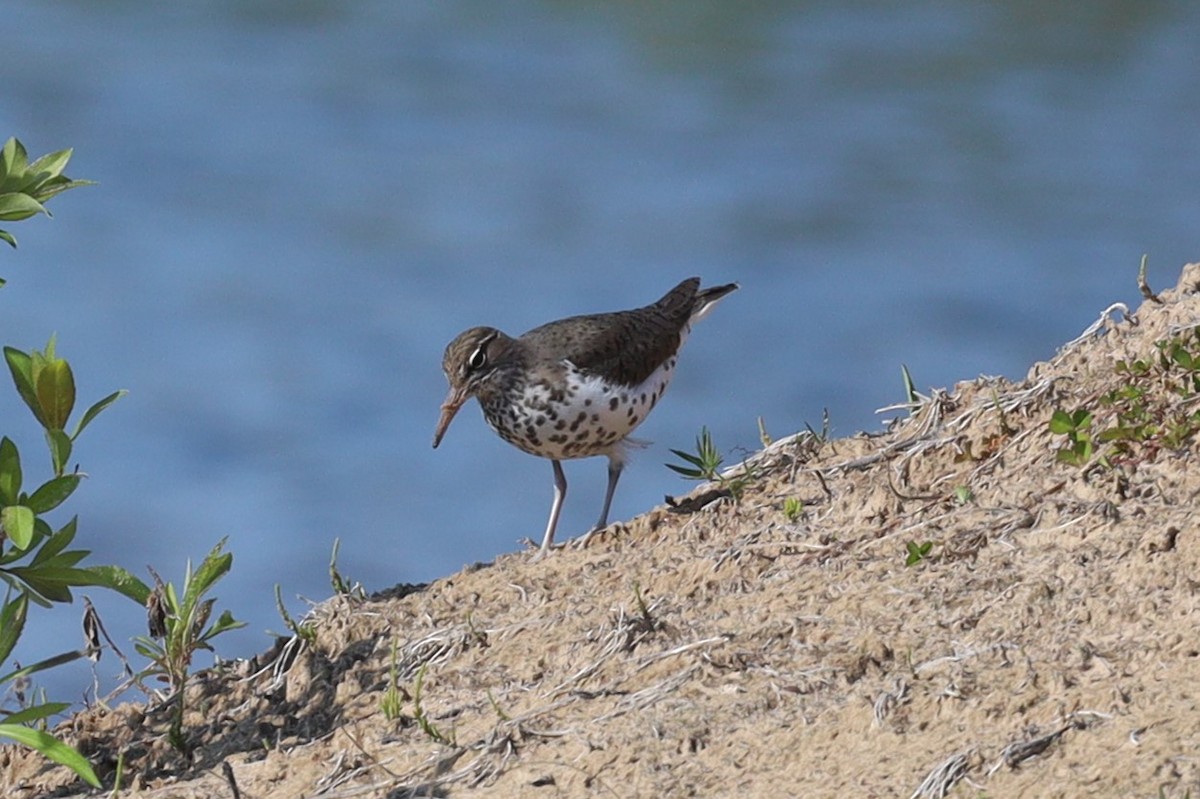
[
  {"x": 20, "y": 364},
  {"x": 1061, "y": 423},
  {"x": 53, "y": 493},
  {"x": 148, "y": 648},
  {"x": 678, "y": 453},
  {"x": 15, "y": 206},
  {"x": 52, "y": 580},
  {"x": 63, "y": 560},
  {"x": 18, "y": 523},
  {"x": 50, "y": 165},
  {"x": 60, "y": 449},
  {"x": 95, "y": 410},
  {"x": 695, "y": 460},
  {"x": 13, "y": 160},
  {"x": 50, "y": 583},
  {"x": 56, "y": 543},
  {"x": 56, "y": 392},
  {"x": 213, "y": 568},
  {"x": 12, "y": 242},
  {"x": 12, "y": 623},
  {"x": 1068, "y": 456},
  {"x": 43, "y": 665},
  {"x": 10, "y": 472},
  {"x": 225, "y": 622},
  {"x": 56, "y": 186},
  {"x": 36, "y": 712},
  {"x": 53, "y": 749},
  {"x": 917, "y": 552},
  {"x": 910, "y": 390},
  {"x": 116, "y": 579},
  {"x": 1118, "y": 433}
]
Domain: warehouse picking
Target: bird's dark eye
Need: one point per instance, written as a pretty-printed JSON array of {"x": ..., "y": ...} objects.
[{"x": 478, "y": 359}]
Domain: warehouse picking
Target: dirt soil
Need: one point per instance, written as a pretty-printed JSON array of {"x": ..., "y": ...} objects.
[{"x": 1044, "y": 645}]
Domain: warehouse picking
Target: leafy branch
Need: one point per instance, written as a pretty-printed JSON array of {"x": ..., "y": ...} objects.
[{"x": 25, "y": 187}]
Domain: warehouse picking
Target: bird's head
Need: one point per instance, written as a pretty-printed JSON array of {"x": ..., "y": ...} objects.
[{"x": 470, "y": 362}]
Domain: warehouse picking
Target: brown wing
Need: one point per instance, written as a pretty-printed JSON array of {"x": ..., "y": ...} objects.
[{"x": 625, "y": 346}]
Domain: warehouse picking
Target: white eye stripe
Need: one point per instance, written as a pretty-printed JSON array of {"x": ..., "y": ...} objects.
[{"x": 479, "y": 358}]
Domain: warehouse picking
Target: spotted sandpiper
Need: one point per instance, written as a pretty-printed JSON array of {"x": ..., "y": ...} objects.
[{"x": 576, "y": 387}]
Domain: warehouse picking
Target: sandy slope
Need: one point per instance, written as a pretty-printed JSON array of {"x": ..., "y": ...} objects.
[{"x": 1046, "y": 646}]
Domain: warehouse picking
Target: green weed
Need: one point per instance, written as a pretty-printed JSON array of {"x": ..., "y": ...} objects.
[
  {"x": 301, "y": 629},
  {"x": 422, "y": 718},
  {"x": 917, "y": 552},
  {"x": 340, "y": 585},
  {"x": 1149, "y": 413},
  {"x": 393, "y": 700},
  {"x": 179, "y": 627},
  {"x": 793, "y": 509},
  {"x": 1076, "y": 426},
  {"x": 701, "y": 465},
  {"x": 705, "y": 464}
]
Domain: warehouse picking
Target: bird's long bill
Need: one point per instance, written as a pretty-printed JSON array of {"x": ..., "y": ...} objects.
[{"x": 454, "y": 401}]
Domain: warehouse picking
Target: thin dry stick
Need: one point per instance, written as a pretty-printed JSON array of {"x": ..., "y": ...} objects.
[{"x": 679, "y": 650}]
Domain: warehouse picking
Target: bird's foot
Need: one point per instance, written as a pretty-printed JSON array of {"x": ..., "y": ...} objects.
[
  {"x": 582, "y": 541},
  {"x": 539, "y": 551}
]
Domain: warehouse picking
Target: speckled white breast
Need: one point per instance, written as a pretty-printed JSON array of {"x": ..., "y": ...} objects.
[{"x": 581, "y": 417}]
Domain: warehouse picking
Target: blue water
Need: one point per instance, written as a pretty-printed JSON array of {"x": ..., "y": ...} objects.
[{"x": 300, "y": 204}]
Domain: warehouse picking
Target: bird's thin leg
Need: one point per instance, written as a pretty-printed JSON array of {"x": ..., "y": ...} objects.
[
  {"x": 614, "y": 474},
  {"x": 560, "y": 493}
]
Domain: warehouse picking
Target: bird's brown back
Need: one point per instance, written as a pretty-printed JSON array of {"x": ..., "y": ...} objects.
[{"x": 626, "y": 346}]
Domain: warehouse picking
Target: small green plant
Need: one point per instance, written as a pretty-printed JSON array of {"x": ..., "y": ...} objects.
[
  {"x": 911, "y": 396},
  {"x": 963, "y": 495},
  {"x": 763, "y": 436},
  {"x": 643, "y": 607},
  {"x": 423, "y": 721},
  {"x": 1076, "y": 426},
  {"x": 393, "y": 700},
  {"x": 917, "y": 552},
  {"x": 1151, "y": 411},
  {"x": 301, "y": 629},
  {"x": 703, "y": 464},
  {"x": 179, "y": 627},
  {"x": 118, "y": 776},
  {"x": 737, "y": 485},
  {"x": 340, "y": 585},
  {"x": 793, "y": 509}
]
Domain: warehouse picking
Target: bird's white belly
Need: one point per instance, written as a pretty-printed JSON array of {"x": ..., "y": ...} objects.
[{"x": 588, "y": 417}]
